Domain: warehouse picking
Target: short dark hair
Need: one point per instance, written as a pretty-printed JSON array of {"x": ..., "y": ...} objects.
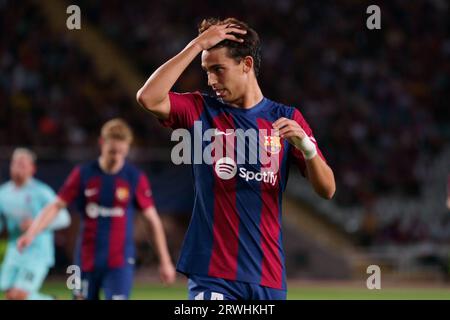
[{"x": 251, "y": 45}]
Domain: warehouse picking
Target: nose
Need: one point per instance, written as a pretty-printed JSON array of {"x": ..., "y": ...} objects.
[{"x": 212, "y": 80}]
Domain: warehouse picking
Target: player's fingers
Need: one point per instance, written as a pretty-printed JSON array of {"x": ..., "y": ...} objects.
[
  {"x": 276, "y": 122},
  {"x": 280, "y": 123},
  {"x": 229, "y": 25},
  {"x": 289, "y": 123},
  {"x": 162, "y": 278},
  {"x": 236, "y": 30},
  {"x": 286, "y": 128},
  {"x": 169, "y": 279},
  {"x": 292, "y": 132},
  {"x": 165, "y": 277},
  {"x": 233, "y": 38},
  {"x": 283, "y": 131}
]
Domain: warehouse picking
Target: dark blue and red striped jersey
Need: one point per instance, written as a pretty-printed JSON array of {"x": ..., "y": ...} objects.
[
  {"x": 235, "y": 230},
  {"x": 107, "y": 203}
]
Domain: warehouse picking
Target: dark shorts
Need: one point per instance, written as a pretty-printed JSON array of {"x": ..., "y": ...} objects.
[
  {"x": 115, "y": 282},
  {"x": 210, "y": 288}
]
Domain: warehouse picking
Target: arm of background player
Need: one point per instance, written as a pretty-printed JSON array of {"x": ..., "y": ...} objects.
[
  {"x": 154, "y": 94},
  {"x": 166, "y": 269},
  {"x": 68, "y": 192},
  {"x": 42, "y": 221},
  {"x": 62, "y": 219}
]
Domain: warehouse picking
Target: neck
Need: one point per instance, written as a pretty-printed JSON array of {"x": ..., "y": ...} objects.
[
  {"x": 108, "y": 167},
  {"x": 19, "y": 182},
  {"x": 253, "y": 95}
]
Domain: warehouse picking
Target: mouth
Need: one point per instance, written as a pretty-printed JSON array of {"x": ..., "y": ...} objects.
[{"x": 220, "y": 92}]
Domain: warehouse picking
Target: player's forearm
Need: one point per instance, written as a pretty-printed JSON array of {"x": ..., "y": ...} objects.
[
  {"x": 47, "y": 215},
  {"x": 158, "y": 236},
  {"x": 321, "y": 177},
  {"x": 159, "y": 240},
  {"x": 157, "y": 87}
]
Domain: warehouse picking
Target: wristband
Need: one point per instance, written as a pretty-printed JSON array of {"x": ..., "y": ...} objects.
[{"x": 308, "y": 148}]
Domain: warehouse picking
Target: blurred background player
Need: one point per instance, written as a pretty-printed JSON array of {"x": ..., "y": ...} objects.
[
  {"x": 233, "y": 248},
  {"x": 21, "y": 200},
  {"x": 108, "y": 191}
]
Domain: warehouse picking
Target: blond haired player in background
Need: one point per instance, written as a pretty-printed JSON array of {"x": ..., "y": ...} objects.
[{"x": 107, "y": 192}]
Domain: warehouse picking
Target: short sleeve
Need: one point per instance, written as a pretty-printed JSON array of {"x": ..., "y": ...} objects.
[
  {"x": 71, "y": 187},
  {"x": 144, "y": 197},
  {"x": 296, "y": 154},
  {"x": 47, "y": 195},
  {"x": 185, "y": 108}
]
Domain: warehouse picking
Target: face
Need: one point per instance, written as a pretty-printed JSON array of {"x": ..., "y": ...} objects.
[
  {"x": 227, "y": 77},
  {"x": 114, "y": 151},
  {"x": 22, "y": 168}
]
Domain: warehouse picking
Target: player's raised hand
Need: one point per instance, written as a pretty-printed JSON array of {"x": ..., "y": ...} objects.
[
  {"x": 291, "y": 131},
  {"x": 167, "y": 273},
  {"x": 24, "y": 241},
  {"x": 218, "y": 33}
]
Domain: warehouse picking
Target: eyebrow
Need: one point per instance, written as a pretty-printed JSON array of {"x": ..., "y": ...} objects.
[{"x": 212, "y": 67}]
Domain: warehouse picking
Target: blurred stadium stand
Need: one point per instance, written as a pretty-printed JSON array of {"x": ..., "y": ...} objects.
[{"x": 376, "y": 100}]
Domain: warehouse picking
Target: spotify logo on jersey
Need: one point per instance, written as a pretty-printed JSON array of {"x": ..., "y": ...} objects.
[{"x": 226, "y": 168}]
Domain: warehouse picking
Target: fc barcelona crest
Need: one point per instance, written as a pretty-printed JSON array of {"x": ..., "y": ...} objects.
[
  {"x": 122, "y": 193},
  {"x": 272, "y": 144}
]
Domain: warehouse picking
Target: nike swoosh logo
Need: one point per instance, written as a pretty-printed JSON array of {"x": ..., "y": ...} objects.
[{"x": 221, "y": 133}]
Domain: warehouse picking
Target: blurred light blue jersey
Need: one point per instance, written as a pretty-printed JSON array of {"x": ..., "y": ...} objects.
[{"x": 27, "y": 201}]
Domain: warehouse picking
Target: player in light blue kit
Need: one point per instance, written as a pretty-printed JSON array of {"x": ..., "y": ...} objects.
[{"x": 21, "y": 200}]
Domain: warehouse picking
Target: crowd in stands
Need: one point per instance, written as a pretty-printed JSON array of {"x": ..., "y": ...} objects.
[
  {"x": 377, "y": 100},
  {"x": 50, "y": 92}
]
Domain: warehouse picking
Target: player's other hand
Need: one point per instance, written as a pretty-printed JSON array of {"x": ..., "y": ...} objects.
[
  {"x": 167, "y": 273},
  {"x": 290, "y": 130},
  {"x": 218, "y": 33},
  {"x": 24, "y": 241},
  {"x": 25, "y": 224}
]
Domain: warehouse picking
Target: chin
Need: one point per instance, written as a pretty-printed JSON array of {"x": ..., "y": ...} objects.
[
  {"x": 226, "y": 98},
  {"x": 112, "y": 163}
]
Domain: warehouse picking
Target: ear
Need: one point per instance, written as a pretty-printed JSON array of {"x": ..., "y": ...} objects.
[
  {"x": 100, "y": 141},
  {"x": 248, "y": 64}
]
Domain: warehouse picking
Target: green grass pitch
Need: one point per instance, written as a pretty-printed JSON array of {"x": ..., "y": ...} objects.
[{"x": 307, "y": 292}]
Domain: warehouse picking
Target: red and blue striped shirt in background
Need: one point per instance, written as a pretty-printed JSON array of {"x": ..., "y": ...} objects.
[{"x": 107, "y": 203}]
